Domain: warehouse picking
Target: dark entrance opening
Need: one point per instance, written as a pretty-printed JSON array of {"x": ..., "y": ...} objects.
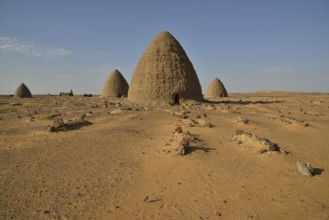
[{"x": 176, "y": 99}]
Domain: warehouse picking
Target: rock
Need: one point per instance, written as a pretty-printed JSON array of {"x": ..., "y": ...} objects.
[
  {"x": 239, "y": 119},
  {"x": 126, "y": 108},
  {"x": 317, "y": 102},
  {"x": 304, "y": 169},
  {"x": 179, "y": 143},
  {"x": 290, "y": 120},
  {"x": 188, "y": 122},
  {"x": 149, "y": 199},
  {"x": 310, "y": 167},
  {"x": 203, "y": 123},
  {"x": 303, "y": 123},
  {"x": 261, "y": 151},
  {"x": 283, "y": 151},
  {"x": 210, "y": 108},
  {"x": 179, "y": 114},
  {"x": 270, "y": 145},
  {"x": 58, "y": 122},
  {"x": 116, "y": 111},
  {"x": 16, "y": 104},
  {"x": 132, "y": 116},
  {"x": 262, "y": 145},
  {"x": 218, "y": 213},
  {"x": 51, "y": 115},
  {"x": 179, "y": 129}
]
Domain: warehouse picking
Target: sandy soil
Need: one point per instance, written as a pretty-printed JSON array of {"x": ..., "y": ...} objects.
[{"x": 119, "y": 167}]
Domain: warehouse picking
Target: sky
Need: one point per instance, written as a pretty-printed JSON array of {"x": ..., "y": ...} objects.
[{"x": 249, "y": 45}]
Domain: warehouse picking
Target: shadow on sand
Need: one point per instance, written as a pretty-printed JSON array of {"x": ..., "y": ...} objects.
[
  {"x": 191, "y": 149},
  {"x": 71, "y": 125},
  {"x": 317, "y": 171},
  {"x": 240, "y": 102}
]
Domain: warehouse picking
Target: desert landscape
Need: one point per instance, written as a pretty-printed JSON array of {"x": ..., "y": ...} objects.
[
  {"x": 164, "y": 110},
  {"x": 124, "y": 163}
]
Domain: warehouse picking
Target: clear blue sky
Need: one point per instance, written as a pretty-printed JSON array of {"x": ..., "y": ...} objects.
[{"x": 250, "y": 45}]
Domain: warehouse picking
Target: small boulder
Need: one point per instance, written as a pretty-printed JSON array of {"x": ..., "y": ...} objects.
[
  {"x": 58, "y": 122},
  {"x": 178, "y": 129},
  {"x": 305, "y": 169},
  {"x": 132, "y": 116},
  {"x": 179, "y": 114},
  {"x": 189, "y": 122},
  {"x": 116, "y": 112},
  {"x": 204, "y": 123},
  {"x": 240, "y": 119}
]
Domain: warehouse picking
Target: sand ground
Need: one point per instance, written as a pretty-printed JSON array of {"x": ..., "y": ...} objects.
[{"x": 118, "y": 167}]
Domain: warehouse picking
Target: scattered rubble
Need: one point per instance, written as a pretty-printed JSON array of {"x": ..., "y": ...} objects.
[
  {"x": 262, "y": 145},
  {"x": 188, "y": 122},
  {"x": 289, "y": 120},
  {"x": 59, "y": 124},
  {"x": 199, "y": 122},
  {"x": 180, "y": 143}
]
